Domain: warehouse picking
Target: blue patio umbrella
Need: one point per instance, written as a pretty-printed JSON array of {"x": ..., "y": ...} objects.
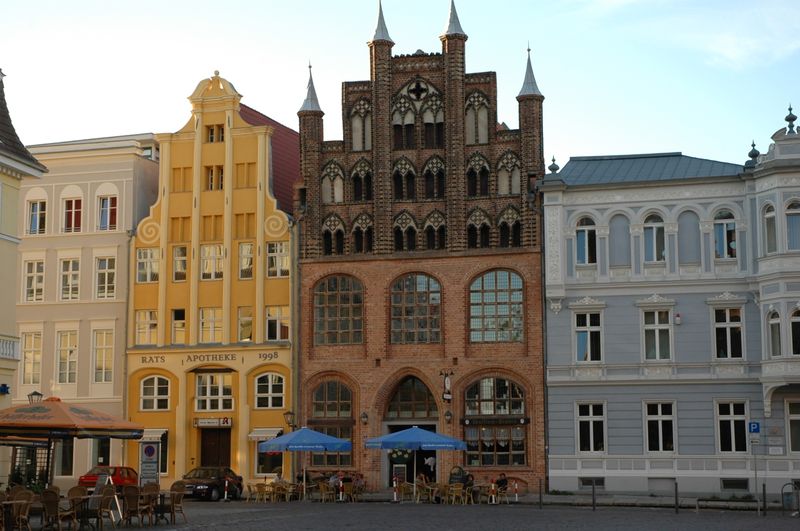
[
  {"x": 415, "y": 438},
  {"x": 305, "y": 440}
]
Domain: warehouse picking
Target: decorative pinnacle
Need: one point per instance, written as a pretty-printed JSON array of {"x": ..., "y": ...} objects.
[
  {"x": 216, "y": 73},
  {"x": 791, "y": 118},
  {"x": 753, "y": 156},
  {"x": 553, "y": 167}
]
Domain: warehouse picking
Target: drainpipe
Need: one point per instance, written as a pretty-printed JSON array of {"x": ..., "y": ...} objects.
[{"x": 294, "y": 303}]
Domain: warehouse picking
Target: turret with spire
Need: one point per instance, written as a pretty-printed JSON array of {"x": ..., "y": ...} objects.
[
  {"x": 311, "y": 138},
  {"x": 530, "y": 100}
]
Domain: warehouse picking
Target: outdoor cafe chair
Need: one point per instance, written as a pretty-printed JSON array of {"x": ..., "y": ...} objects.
[
  {"x": 348, "y": 491},
  {"x": 457, "y": 493},
  {"x": 148, "y": 501},
  {"x": 130, "y": 498},
  {"x": 261, "y": 492},
  {"x": 251, "y": 492},
  {"x": 326, "y": 492},
  {"x": 502, "y": 493},
  {"x": 22, "y": 508},
  {"x": 107, "y": 496},
  {"x": 14, "y": 490},
  {"x": 176, "y": 493},
  {"x": 53, "y": 514}
]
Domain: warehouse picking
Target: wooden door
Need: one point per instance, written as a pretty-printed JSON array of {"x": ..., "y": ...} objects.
[{"x": 215, "y": 447}]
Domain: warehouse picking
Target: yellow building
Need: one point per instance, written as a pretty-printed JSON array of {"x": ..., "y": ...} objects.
[{"x": 209, "y": 343}]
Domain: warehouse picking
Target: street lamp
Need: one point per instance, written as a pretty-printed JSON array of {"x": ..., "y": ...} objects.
[
  {"x": 364, "y": 418},
  {"x": 288, "y": 417},
  {"x": 35, "y": 397}
]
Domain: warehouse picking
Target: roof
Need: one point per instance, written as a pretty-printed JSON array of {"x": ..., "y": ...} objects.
[
  {"x": 311, "y": 103},
  {"x": 381, "y": 33},
  {"x": 529, "y": 86},
  {"x": 453, "y": 24},
  {"x": 642, "y": 168},
  {"x": 285, "y": 156},
  {"x": 10, "y": 144}
]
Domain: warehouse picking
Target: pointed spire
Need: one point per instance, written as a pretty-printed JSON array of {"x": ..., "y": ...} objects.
[
  {"x": 529, "y": 87},
  {"x": 10, "y": 144},
  {"x": 381, "y": 33},
  {"x": 453, "y": 25},
  {"x": 311, "y": 103}
]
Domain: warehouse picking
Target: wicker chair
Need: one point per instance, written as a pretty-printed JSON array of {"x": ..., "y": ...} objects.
[
  {"x": 326, "y": 492},
  {"x": 53, "y": 513},
  {"x": 176, "y": 494},
  {"x": 107, "y": 497},
  {"x": 23, "y": 508},
  {"x": 457, "y": 493}
]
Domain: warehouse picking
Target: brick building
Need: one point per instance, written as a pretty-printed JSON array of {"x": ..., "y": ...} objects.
[{"x": 420, "y": 267}]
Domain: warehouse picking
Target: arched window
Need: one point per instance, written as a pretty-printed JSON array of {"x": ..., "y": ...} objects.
[
  {"x": 433, "y": 119},
  {"x": 332, "y": 184},
  {"x": 472, "y": 183},
  {"x": 430, "y": 237},
  {"x": 484, "y": 235},
  {"x": 585, "y": 242},
  {"x": 397, "y": 182},
  {"x": 770, "y": 234},
  {"x": 338, "y": 307},
  {"x": 476, "y": 119},
  {"x": 416, "y": 309},
  {"x": 327, "y": 243},
  {"x": 510, "y": 234},
  {"x": 361, "y": 126},
  {"x": 724, "y": 235},
  {"x": 411, "y": 185},
  {"x": 412, "y": 400},
  {"x": 441, "y": 235},
  {"x": 793, "y": 226},
  {"x": 411, "y": 239},
  {"x": 495, "y": 312},
  {"x": 404, "y": 180},
  {"x": 398, "y": 239},
  {"x": 269, "y": 391},
  {"x": 368, "y": 240},
  {"x": 654, "y": 249},
  {"x": 495, "y": 435},
  {"x": 796, "y": 333},
  {"x": 774, "y": 322},
  {"x": 508, "y": 175},
  {"x": 472, "y": 237},
  {"x": 358, "y": 239},
  {"x": 358, "y": 188},
  {"x": 154, "y": 394},
  {"x": 338, "y": 237},
  {"x": 403, "y": 124},
  {"x": 332, "y": 408}
]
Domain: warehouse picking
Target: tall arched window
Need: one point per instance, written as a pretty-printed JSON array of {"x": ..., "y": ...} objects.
[
  {"x": 362, "y": 182},
  {"x": 793, "y": 226},
  {"x": 411, "y": 239},
  {"x": 774, "y": 323},
  {"x": 269, "y": 391},
  {"x": 770, "y": 233},
  {"x": 416, "y": 309},
  {"x": 476, "y": 119},
  {"x": 412, "y": 400},
  {"x": 508, "y": 175},
  {"x": 361, "y": 125},
  {"x": 332, "y": 412},
  {"x": 403, "y": 124},
  {"x": 338, "y": 311},
  {"x": 654, "y": 250},
  {"x": 586, "y": 244},
  {"x": 327, "y": 243},
  {"x": 495, "y": 312},
  {"x": 404, "y": 180},
  {"x": 332, "y": 184},
  {"x": 433, "y": 119},
  {"x": 796, "y": 333},
  {"x": 496, "y": 434},
  {"x": 154, "y": 394},
  {"x": 510, "y": 234},
  {"x": 724, "y": 235}
]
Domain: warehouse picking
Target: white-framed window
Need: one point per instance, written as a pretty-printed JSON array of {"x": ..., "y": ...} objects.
[
  {"x": 155, "y": 394},
  {"x": 770, "y": 231},
  {"x": 796, "y": 332},
  {"x": 277, "y": 325},
  {"x": 211, "y": 261},
  {"x": 588, "y": 336},
  {"x": 496, "y": 307},
  {"x": 210, "y": 325},
  {"x": 586, "y": 242},
  {"x": 70, "y": 279},
  {"x": 72, "y": 215},
  {"x": 278, "y": 259},
  {"x": 724, "y": 235},
  {"x": 660, "y": 420},
  {"x": 37, "y": 217},
  {"x": 179, "y": 263},
  {"x": 67, "y": 352},
  {"x": 31, "y": 343},
  {"x": 103, "y": 355},
  {"x": 774, "y": 324},
  {"x": 146, "y": 327},
  {"x": 245, "y": 260},
  {"x": 214, "y": 391},
  {"x": 179, "y": 326},
  {"x": 732, "y": 426},
  {"x": 793, "y": 226},
  {"x": 657, "y": 334},
  {"x": 728, "y": 332},
  {"x": 654, "y": 249},
  {"x": 107, "y": 212},
  {"x": 269, "y": 391},
  {"x": 34, "y": 280},
  {"x": 106, "y": 267},
  {"x": 793, "y": 425},
  {"x": 591, "y": 427},
  {"x": 245, "y": 320},
  {"x": 147, "y": 265}
]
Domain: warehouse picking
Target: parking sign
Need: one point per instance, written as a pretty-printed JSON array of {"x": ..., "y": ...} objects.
[{"x": 754, "y": 427}]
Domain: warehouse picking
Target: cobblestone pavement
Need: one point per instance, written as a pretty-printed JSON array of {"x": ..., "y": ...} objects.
[{"x": 241, "y": 516}]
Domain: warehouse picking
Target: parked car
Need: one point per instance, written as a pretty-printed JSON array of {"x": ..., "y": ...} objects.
[
  {"x": 120, "y": 476},
  {"x": 208, "y": 482}
]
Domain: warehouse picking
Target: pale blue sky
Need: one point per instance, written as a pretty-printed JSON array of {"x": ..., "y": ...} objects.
[{"x": 619, "y": 76}]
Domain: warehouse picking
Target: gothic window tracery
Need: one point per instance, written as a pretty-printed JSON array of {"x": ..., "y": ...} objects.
[
  {"x": 476, "y": 125},
  {"x": 362, "y": 234},
  {"x": 333, "y": 236},
  {"x": 478, "y": 229},
  {"x": 434, "y": 179},
  {"x": 477, "y": 176},
  {"x": 404, "y": 180},
  {"x": 362, "y": 181},
  {"x": 361, "y": 125},
  {"x": 405, "y": 232},
  {"x": 508, "y": 175},
  {"x": 435, "y": 231},
  {"x": 332, "y": 185},
  {"x": 510, "y": 228}
]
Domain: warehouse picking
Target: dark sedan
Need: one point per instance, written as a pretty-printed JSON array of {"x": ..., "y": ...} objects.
[{"x": 208, "y": 482}]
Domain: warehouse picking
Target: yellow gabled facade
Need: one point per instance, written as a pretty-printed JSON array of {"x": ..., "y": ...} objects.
[{"x": 209, "y": 347}]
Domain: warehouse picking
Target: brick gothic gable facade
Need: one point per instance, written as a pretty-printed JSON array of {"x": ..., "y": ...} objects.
[{"x": 420, "y": 259}]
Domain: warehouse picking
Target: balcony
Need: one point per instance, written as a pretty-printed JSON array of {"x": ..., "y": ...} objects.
[{"x": 9, "y": 348}]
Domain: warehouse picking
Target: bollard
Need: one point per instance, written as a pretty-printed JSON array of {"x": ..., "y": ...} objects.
[
  {"x": 541, "y": 493},
  {"x": 226, "y": 490},
  {"x": 764, "y": 497},
  {"x": 394, "y": 488},
  {"x": 676, "y": 497},
  {"x": 493, "y": 492},
  {"x": 594, "y": 498},
  {"x": 516, "y": 492},
  {"x": 341, "y": 490}
]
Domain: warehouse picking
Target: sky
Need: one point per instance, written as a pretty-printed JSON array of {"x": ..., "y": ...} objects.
[{"x": 704, "y": 77}]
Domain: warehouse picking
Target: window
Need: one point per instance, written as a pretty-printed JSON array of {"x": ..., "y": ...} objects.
[
  {"x": 796, "y": 333},
  {"x": 332, "y": 242},
  {"x": 106, "y": 277},
  {"x": 412, "y": 399},
  {"x": 155, "y": 394},
  {"x": 657, "y": 335},
  {"x": 728, "y": 332},
  {"x": 586, "y": 243},
  {"x": 37, "y": 217},
  {"x": 268, "y": 462},
  {"x": 510, "y": 234},
  {"x": 72, "y": 215},
  {"x": 214, "y": 178},
  {"x": 103, "y": 342},
  {"x": 495, "y": 312},
  {"x": 62, "y": 458},
  {"x": 332, "y": 186},
  {"x": 591, "y": 428},
  {"x": 774, "y": 323},
  {"x": 654, "y": 249},
  {"x": 211, "y": 261},
  {"x": 101, "y": 451},
  {"x": 494, "y": 396},
  {"x": 724, "y": 235},
  {"x": 34, "y": 281},
  {"x": 362, "y": 186},
  {"x": 403, "y": 127},
  {"x": 179, "y": 262},
  {"x": 476, "y": 120},
  {"x": 361, "y": 126},
  {"x": 588, "y": 338},
  {"x": 434, "y": 184},
  {"x": 277, "y": 326},
  {"x": 164, "y": 451},
  {"x": 214, "y": 391},
  {"x": 278, "y": 258},
  {"x": 732, "y": 419},
  {"x": 70, "y": 279},
  {"x": 477, "y": 236},
  {"x": 147, "y": 265},
  {"x": 215, "y": 133},
  {"x": 770, "y": 233},
  {"x": 31, "y": 343},
  {"x": 107, "y": 211},
  {"x": 478, "y": 182},
  {"x": 793, "y": 226},
  {"x": 416, "y": 310},
  {"x": 793, "y": 411},
  {"x": 338, "y": 318},
  {"x": 245, "y": 323},
  {"x": 210, "y": 325},
  {"x": 405, "y": 240},
  {"x": 269, "y": 391},
  {"x": 67, "y": 356},
  {"x": 146, "y": 327},
  {"x": 660, "y": 423},
  {"x": 178, "y": 326},
  {"x": 245, "y": 261},
  {"x": 362, "y": 239},
  {"x": 333, "y": 401},
  {"x": 495, "y": 445}
]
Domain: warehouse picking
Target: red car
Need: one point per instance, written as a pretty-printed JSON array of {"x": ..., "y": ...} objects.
[{"x": 120, "y": 476}]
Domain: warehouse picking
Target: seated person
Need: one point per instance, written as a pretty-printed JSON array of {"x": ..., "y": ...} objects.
[
  {"x": 469, "y": 481},
  {"x": 333, "y": 481},
  {"x": 502, "y": 482},
  {"x": 422, "y": 479}
]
